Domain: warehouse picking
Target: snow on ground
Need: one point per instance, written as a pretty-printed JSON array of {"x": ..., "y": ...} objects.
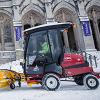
[{"x": 67, "y": 91}]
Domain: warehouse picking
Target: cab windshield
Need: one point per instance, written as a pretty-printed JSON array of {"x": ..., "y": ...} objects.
[
  {"x": 38, "y": 46},
  {"x": 43, "y": 44}
]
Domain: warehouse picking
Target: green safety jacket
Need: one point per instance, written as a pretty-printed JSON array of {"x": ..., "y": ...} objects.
[{"x": 45, "y": 48}]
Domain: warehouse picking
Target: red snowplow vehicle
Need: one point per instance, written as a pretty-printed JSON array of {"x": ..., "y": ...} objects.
[{"x": 46, "y": 62}]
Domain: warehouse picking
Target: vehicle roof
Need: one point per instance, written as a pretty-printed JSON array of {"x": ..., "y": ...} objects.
[{"x": 45, "y": 25}]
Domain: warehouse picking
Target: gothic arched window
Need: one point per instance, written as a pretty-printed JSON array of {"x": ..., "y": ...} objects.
[{"x": 6, "y": 32}]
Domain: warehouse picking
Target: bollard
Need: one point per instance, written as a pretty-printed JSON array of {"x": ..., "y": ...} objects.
[
  {"x": 95, "y": 60},
  {"x": 85, "y": 56},
  {"x": 90, "y": 58}
]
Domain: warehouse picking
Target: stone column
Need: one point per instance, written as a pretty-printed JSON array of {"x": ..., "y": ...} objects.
[
  {"x": 49, "y": 14},
  {"x": 18, "y": 39},
  {"x": 95, "y": 24},
  {"x": 65, "y": 34},
  {"x": 79, "y": 35},
  {"x": 17, "y": 29},
  {"x": 86, "y": 32},
  {"x": 66, "y": 39}
]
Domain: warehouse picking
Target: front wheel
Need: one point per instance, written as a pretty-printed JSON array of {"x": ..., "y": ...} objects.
[
  {"x": 91, "y": 82},
  {"x": 51, "y": 82},
  {"x": 12, "y": 86}
]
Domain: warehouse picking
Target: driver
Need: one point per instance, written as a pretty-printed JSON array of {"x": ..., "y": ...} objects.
[{"x": 44, "y": 48}]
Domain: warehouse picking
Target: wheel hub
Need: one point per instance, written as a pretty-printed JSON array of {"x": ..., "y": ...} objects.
[
  {"x": 92, "y": 82},
  {"x": 51, "y": 82}
]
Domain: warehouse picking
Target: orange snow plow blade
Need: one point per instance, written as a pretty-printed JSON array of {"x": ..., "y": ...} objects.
[{"x": 8, "y": 78}]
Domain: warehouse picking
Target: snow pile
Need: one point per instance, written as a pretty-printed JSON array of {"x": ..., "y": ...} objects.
[
  {"x": 15, "y": 66},
  {"x": 96, "y": 70}
]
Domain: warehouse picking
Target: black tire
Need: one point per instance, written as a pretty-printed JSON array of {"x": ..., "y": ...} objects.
[
  {"x": 91, "y": 82},
  {"x": 79, "y": 80},
  {"x": 12, "y": 86},
  {"x": 51, "y": 82}
]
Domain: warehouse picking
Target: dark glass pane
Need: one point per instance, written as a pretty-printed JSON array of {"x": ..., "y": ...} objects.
[
  {"x": 37, "y": 46},
  {"x": 55, "y": 43},
  {"x": 7, "y": 33}
]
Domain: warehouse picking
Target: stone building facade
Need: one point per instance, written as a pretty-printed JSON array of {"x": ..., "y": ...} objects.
[{"x": 17, "y": 15}]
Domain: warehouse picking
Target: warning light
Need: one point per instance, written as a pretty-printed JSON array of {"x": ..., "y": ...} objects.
[
  {"x": 66, "y": 30},
  {"x": 74, "y": 25},
  {"x": 25, "y": 33}
]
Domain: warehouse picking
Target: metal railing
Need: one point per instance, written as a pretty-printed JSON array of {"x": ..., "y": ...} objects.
[{"x": 90, "y": 58}]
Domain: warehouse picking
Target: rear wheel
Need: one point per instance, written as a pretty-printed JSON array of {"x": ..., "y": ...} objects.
[
  {"x": 91, "y": 82},
  {"x": 51, "y": 82}
]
